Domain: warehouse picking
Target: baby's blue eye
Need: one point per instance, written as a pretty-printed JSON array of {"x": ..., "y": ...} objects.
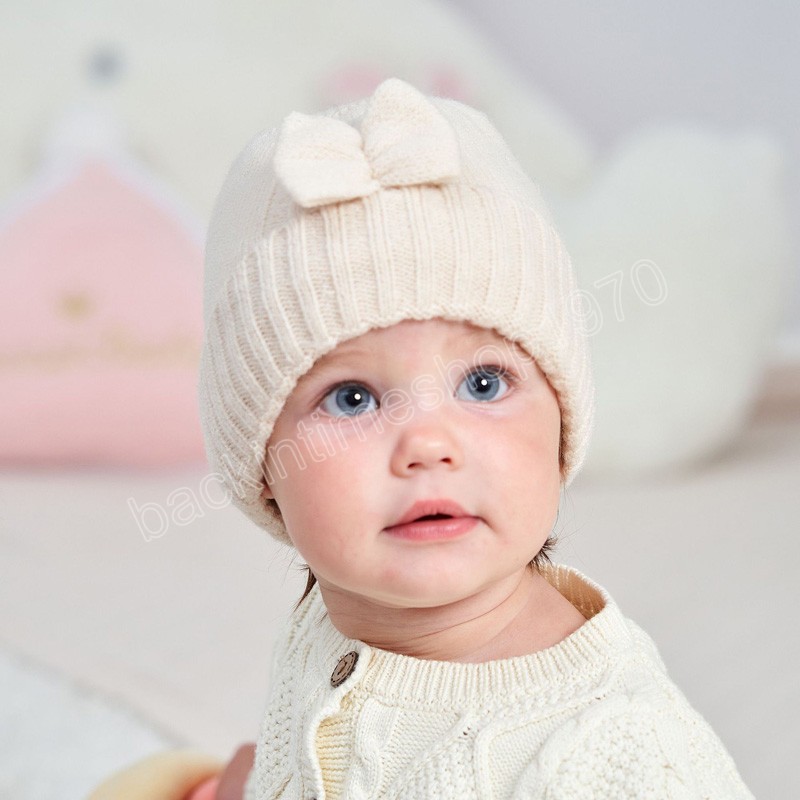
[
  {"x": 483, "y": 382},
  {"x": 350, "y": 399}
]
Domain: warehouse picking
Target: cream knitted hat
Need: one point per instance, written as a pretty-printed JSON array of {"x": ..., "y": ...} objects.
[{"x": 397, "y": 206}]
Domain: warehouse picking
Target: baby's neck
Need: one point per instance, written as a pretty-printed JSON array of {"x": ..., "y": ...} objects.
[{"x": 522, "y": 617}]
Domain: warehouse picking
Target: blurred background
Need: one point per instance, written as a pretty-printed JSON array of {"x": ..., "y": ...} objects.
[{"x": 137, "y": 606}]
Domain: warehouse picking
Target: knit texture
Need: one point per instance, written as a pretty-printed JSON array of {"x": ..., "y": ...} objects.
[
  {"x": 398, "y": 206},
  {"x": 594, "y": 716}
]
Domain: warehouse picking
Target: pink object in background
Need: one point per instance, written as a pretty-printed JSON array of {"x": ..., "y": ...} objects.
[
  {"x": 356, "y": 79},
  {"x": 100, "y": 322},
  {"x": 206, "y": 791}
]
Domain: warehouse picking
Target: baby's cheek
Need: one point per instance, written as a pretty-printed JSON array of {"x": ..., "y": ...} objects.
[
  {"x": 329, "y": 492},
  {"x": 528, "y": 464},
  {"x": 536, "y": 443}
]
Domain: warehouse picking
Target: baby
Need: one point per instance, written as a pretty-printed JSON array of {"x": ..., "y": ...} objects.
[{"x": 396, "y": 383}]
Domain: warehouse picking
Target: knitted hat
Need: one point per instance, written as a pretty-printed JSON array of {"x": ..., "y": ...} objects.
[{"x": 397, "y": 206}]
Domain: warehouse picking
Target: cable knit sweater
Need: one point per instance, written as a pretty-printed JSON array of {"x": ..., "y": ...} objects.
[{"x": 594, "y": 716}]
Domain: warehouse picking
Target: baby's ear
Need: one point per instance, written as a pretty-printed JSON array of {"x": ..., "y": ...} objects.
[{"x": 266, "y": 494}]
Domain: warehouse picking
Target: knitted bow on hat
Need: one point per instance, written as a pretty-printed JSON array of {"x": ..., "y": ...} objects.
[{"x": 404, "y": 140}]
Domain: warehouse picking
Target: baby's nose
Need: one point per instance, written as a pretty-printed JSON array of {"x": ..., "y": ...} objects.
[{"x": 425, "y": 446}]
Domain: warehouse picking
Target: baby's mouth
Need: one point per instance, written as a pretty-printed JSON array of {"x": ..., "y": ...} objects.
[
  {"x": 433, "y": 528},
  {"x": 433, "y": 510}
]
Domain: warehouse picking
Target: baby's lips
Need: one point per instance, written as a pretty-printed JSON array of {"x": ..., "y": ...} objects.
[{"x": 432, "y": 507}]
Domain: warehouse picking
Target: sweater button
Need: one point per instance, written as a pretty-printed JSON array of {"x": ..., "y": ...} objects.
[{"x": 344, "y": 669}]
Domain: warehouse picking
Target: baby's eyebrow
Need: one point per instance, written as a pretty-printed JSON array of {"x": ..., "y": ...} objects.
[
  {"x": 319, "y": 371},
  {"x": 344, "y": 358}
]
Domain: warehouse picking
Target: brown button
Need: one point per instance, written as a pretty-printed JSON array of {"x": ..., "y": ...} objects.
[{"x": 344, "y": 669}]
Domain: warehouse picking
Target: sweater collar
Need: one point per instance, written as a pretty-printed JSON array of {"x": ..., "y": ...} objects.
[{"x": 581, "y": 661}]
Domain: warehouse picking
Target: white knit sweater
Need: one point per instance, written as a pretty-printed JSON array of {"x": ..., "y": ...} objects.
[{"x": 594, "y": 716}]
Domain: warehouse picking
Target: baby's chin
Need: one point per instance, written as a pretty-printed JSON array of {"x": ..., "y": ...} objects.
[
  {"x": 411, "y": 592},
  {"x": 373, "y": 600}
]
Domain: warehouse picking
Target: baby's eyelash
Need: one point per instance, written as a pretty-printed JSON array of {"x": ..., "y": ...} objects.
[
  {"x": 341, "y": 384},
  {"x": 317, "y": 401},
  {"x": 503, "y": 372},
  {"x": 494, "y": 371}
]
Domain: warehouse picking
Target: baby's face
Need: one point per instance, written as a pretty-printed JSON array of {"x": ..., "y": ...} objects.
[{"x": 421, "y": 410}]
